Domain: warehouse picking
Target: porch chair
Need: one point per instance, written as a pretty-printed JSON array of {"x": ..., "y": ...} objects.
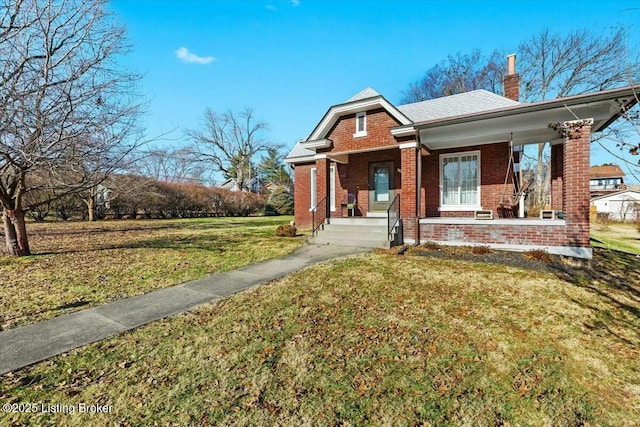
[{"x": 349, "y": 203}]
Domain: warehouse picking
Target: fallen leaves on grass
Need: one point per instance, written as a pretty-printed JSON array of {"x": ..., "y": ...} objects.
[
  {"x": 79, "y": 264},
  {"x": 373, "y": 340}
]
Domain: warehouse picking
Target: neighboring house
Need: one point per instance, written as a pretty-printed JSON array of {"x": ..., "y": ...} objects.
[
  {"x": 231, "y": 184},
  {"x": 621, "y": 206},
  {"x": 437, "y": 165},
  {"x": 605, "y": 179}
]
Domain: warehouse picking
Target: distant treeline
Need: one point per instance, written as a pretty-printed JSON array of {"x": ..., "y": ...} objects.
[{"x": 134, "y": 197}]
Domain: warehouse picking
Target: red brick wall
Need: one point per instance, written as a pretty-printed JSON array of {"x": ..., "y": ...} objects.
[
  {"x": 302, "y": 195},
  {"x": 485, "y": 233},
  {"x": 511, "y": 87},
  {"x": 494, "y": 160},
  {"x": 379, "y": 123},
  {"x": 576, "y": 181}
]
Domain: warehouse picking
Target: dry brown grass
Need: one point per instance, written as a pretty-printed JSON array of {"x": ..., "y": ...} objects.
[
  {"x": 79, "y": 264},
  {"x": 375, "y": 340}
]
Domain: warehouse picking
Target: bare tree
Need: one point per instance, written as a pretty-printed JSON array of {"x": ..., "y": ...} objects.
[
  {"x": 459, "y": 73},
  {"x": 177, "y": 165},
  {"x": 68, "y": 111},
  {"x": 553, "y": 65},
  {"x": 229, "y": 142},
  {"x": 626, "y": 136}
]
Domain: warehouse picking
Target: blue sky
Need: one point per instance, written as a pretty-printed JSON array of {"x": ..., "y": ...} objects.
[{"x": 292, "y": 59}]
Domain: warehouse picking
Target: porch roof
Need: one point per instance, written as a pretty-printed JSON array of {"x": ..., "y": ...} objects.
[{"x": 527, "y": 123}]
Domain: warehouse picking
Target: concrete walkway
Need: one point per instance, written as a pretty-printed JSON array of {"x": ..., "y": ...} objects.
[{"x": 33, "y": 343}]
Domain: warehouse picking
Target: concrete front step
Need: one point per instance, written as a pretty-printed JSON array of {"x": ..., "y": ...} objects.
[
  {"x": 352, "y": 235},
  {"x": 322, "y": 240},
  {"x": 363, "y": 232},
  {"x": 359, "y": 220},
  {"x": 364, "y": 229}
]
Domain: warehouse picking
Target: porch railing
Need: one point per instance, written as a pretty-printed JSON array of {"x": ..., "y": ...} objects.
[
  {"x": 393, "y": 215},
  {"x": 319, "y": 213}
]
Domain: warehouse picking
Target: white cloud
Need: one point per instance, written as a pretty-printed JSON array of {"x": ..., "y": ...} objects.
[
  {"x": 270, "y": 6},
  {"x": 190, "y": 58}
]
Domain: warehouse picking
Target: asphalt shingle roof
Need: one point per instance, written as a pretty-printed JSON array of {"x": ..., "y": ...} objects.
[
  {"x": 455, "y": 105},
  {"x": 606, "y": 171},
  {"x": 365, "y": 93},
  {"x": 299, "y": 151}
]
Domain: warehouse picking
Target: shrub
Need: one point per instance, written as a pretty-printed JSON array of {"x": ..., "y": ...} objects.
[
  {"x": 239, "y": 203},
  {"x": 481, "y": 250},
  {"x": 430, "y": 246},
  {"x": 280, "y": 202},
  {"x": 458, "y": 251},
  {"x": 286, "y": 230},
  {"x": 538, "y": 255},
  {"x": 605, "y": 220}
]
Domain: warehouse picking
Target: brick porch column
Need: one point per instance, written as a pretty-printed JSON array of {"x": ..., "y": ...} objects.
[
  {"x": 575, "y": 185},
  {"x": 557, "y": 160},
  {"x": 408, "y": 206}
]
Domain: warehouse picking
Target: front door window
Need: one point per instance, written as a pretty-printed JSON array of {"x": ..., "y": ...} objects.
[
  {"x": 381, "y": 183},
  {"x": 381, "y": 191}
]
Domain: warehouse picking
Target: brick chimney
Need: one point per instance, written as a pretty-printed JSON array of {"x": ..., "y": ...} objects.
[{"x": 512, "y": 80}]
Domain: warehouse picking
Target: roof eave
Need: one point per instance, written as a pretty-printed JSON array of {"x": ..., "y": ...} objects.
[
  {"x": 296, "y": 160},
  {"x": 537, "y": 106}
]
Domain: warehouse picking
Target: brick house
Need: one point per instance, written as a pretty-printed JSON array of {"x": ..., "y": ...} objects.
[{"x": 446, "y": 170}]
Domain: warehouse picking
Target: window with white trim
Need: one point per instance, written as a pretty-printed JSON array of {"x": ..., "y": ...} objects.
[
  {"x": 314, "y": 188},
  {"x": 361, "y": 124},
  {"x": 460, "y": 181}
]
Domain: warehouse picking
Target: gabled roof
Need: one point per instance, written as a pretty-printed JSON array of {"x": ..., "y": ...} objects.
[
  {"x": 363, "y": 94},
  {"x": 606, "y": 171},
  {"x": 455, "y": 105}
]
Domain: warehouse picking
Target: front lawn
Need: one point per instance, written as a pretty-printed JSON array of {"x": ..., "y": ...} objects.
[
  {"x": 618, "y": 236},
  {"x": 79, "y": 265},
  {"x": 379, "y": 339}
]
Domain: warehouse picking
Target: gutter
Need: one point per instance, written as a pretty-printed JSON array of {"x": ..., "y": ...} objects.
[{"x": 537, "y": 106}]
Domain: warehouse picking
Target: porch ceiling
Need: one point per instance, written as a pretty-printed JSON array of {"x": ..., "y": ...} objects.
[{"x": 529, "y": 123}]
